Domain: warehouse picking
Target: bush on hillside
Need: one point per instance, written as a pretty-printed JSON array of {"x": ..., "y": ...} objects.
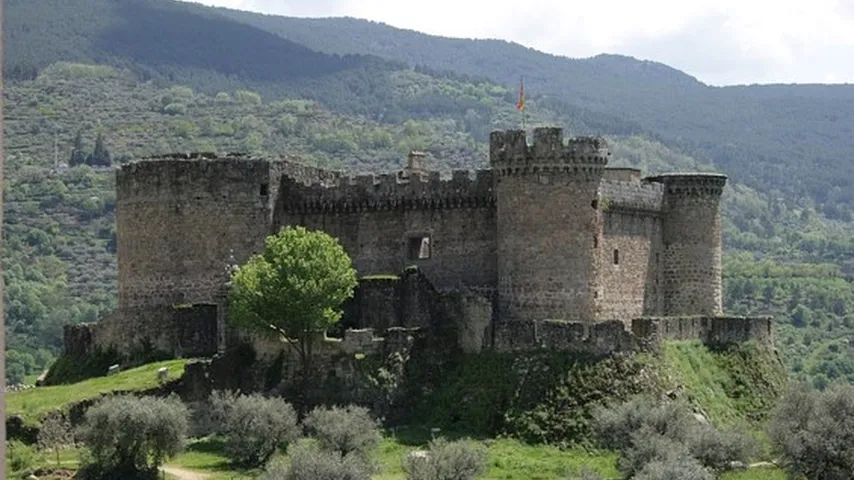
[
  {"x": 254, "y": 427},
  {"x": 672, "y": 466},
  {"x": 130, "y": 437},
  {"x": 444, "y": 460},
  {"x": 344, "y": 430},
  {"x": 310, "y": 462},
  {"x": 645, "y": 431},
  {"x": 813, "y": 432}
]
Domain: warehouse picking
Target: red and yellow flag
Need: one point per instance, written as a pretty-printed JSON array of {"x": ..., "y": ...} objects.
[{"x": 520, "y": 105}]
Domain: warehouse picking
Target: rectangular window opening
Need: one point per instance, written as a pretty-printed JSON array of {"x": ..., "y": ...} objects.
[
  {"x": 265, "y": 189},
  {"x": 595, "y": 241},
  {"x": 616, "y": 257},
  {"x": 419, "y": 247}
]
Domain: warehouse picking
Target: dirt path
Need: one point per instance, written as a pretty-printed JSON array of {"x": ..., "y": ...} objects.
[{"x": 183, "y": 474}]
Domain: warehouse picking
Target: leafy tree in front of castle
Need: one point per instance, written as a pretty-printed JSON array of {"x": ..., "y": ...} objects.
[{"x": 293, "y": 289}]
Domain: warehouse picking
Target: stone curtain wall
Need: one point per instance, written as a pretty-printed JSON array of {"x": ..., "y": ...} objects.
[
  {"x": 712, "y": 330},
  {"x": 182, "y": 331},
  {"x": 630, "y": 287},
  {"x": 178, "y": 219},
  {"x": 376, "y": 217},
  {"x": 610, "y": 337},
  {"x": 547, "y": 221}
]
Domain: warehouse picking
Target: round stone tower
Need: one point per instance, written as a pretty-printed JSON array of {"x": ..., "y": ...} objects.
[
  {"x": 179, "y": 219},
  {"x": 692, "y": 251},
  {"x": 548, "y": 224}
]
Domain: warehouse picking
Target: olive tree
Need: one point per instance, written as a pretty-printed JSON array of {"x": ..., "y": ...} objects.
[
  {"x": 293, "y": 289},
  {"x": 128, "y": 435},
  {"x": 813, "y": 431}
]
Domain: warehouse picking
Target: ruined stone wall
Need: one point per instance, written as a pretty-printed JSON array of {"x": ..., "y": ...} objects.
[
  {"x": 178, "y": 331},
  {"x": 604, "y": 338},
  {"x": 692, "y": 245},
  {"x": 712, "y": 330},
  {"x": 178, "y": 219},
  {"x": 377, "y": 219},
  {"x": 547, "y": 221}
]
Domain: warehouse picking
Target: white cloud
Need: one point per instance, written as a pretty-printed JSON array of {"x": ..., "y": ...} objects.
[{"x": 718, "y": 41}]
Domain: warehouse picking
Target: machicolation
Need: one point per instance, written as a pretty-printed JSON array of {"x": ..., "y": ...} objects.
[{"x": 548, "y": 248}]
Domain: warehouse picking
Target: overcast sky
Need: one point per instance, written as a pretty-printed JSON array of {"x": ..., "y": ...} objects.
[{"x": 721, "y": 42}]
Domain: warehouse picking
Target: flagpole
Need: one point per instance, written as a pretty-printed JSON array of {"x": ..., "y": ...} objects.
[{"x": 522, "y": 99}]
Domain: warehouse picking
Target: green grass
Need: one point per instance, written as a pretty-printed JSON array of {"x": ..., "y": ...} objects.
[
  {"x": 762, "y": 473},
  {"x": 731, "y": 384},
  {"x": 32, "y": 404},
  {"x": 507, "y": 460}
]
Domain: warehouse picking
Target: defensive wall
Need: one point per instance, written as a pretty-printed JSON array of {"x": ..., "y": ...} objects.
[{"x": 176, "y": 331}]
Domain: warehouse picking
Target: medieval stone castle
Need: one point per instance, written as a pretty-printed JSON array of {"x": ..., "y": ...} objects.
[{"x": 547, "y": 247}]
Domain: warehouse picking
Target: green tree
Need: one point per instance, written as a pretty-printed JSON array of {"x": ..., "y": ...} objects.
[
  {"x": 294, "y": 289},
  {"x": 100, "y": 155},
  {"x": 77, "y": 155},
  {"x": 127, "y": 436}
]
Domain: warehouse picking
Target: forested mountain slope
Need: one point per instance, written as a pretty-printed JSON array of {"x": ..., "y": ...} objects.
[
  {"x": 338, "y": 93},
  {"x": 790, "y": 141}
]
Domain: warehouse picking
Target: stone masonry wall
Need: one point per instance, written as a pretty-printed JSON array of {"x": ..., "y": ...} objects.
[
  {"x": 692, "y": 253},
  {"x": 181, "y": 331},
  {"x": 376, "y": 219},
  {"x": 712, "y": 330},
  {"x": 178, "y": 220},
  {"x": 547, "y": 221},
  {"x": 605, "y": 338},
  {"x": 630, "y": 272}
]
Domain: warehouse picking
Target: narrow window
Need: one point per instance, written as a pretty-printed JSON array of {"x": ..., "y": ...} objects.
[
  {"x": 595, "y": 241},
  {"x": 616, "y": 257},
  {"x": 265, "y": 189},
  {"x": 419, "y": 247}
]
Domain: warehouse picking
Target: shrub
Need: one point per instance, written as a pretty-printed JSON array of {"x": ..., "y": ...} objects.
[
  {"x": 814, "y": 432},
  {"x": 309, "y": 462},
  {"x": 128, "y": 435},
  {"x": 254, "y": 426},
  {"x": 344, "y": 429},
  {"x": 644, "y": 430},
  {"x": 20, "y": 456},
  {"x": 674, "y": 466},
  {"x": 460, "y": 460}
]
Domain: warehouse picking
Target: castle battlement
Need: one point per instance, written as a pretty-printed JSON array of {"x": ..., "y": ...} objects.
[
  {"x": 192, "y": 177},
  {"x": 691, "y": 184},
  {"x": 396, "y": 191},
  {"x": 510, "y": 154},
  {"x": 630, "y": 196}
]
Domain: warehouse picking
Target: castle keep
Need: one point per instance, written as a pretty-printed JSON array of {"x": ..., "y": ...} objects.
[{"x": 547, "y": 234}]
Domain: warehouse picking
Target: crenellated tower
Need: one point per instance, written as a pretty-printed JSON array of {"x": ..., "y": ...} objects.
[
  {"x": 548, "y": 223},
  {"x": 692, "y": 245}
]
